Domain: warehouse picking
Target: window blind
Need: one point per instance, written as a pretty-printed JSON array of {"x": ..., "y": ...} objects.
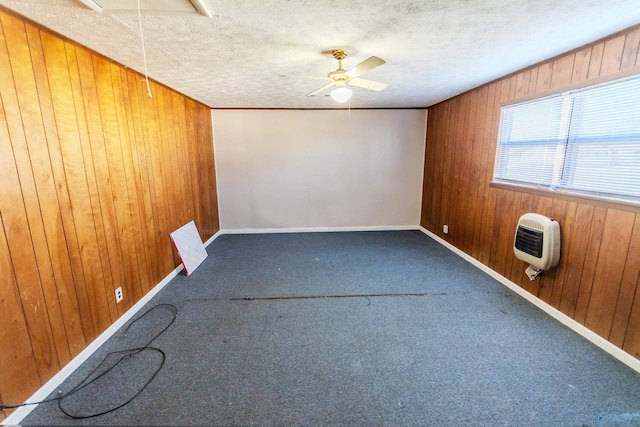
[
  {"x": 585, "y": 141},
  {"x": 603, "y": 148},
  {"x": 530, "y": 136}
]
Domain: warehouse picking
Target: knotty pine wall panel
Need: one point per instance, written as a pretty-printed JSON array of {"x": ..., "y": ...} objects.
[
  {"x": 597, "y": 280},
  {"x": 95, "y": 175}
]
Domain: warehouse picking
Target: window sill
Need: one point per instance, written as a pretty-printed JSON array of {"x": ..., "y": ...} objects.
[{"x": 613, "y": 204}]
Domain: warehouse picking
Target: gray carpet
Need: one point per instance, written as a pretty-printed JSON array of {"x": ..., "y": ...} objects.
[{"x": 355, "y": 329}]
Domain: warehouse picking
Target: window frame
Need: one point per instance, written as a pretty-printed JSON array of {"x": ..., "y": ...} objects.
[{"x": 597, "y": 198}]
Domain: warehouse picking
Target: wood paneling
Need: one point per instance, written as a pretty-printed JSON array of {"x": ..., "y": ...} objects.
[
  {"x": 597, "y": 280},
  {"x": 95, "y": 175}
]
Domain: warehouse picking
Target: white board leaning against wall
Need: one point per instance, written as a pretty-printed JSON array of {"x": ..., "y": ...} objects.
[{"x": 302, "y": 169}]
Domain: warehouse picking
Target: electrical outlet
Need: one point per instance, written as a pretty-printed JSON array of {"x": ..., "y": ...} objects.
[{"x": 119, "y": 295}]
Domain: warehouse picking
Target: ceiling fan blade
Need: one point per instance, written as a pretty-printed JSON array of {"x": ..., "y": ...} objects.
[
  {"x": 305, "y": 77},
  {"x": 365, "y": 66},
  {"x": 368, "y": 84},
  {"x": 322, "y": 89}
]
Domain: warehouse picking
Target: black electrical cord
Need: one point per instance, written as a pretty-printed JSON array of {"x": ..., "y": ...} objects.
[
  {"x": 88, "y": 380},
  {"x": 85, "y": 383},
  {"x": 174, "y": 311}
]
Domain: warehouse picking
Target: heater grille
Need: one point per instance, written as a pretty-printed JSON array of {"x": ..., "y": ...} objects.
[{"x": 529, "y": 241}]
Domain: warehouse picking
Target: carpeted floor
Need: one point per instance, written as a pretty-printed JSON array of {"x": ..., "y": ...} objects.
[{"x": 361, "y": 328}]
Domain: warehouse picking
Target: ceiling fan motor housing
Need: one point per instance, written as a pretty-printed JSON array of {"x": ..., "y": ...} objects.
[{"x": 339, "y": 75}]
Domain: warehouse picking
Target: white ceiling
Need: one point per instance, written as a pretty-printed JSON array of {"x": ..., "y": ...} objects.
[{"x": 434, "y": 49}]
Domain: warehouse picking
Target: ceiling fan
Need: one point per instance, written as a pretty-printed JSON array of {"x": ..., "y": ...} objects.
[{"x": 341, "y": 78}]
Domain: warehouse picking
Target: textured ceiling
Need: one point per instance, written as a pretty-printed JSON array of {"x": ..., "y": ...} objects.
[{"x": 434, "y": 49}]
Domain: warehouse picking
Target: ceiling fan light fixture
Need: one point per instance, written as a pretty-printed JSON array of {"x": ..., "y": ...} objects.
[{"x": 341, "y": 94}]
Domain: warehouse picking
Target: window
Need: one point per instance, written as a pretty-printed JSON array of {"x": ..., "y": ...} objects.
[{"x": 585, "y": 141}]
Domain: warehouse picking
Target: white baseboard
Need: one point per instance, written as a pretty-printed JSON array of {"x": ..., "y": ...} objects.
[
  {"x": 596, "y": 339},
  {"x": 318, "y": 229},
  {"x": 50, "y": 386}
]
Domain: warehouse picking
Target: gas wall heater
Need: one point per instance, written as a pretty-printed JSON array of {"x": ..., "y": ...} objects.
[{"x": 537, "y": 242}]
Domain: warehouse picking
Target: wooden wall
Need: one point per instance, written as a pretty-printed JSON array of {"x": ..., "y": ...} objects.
[
  {"x": 596, "y": 282},
  {"x": 95, "y": 175}
]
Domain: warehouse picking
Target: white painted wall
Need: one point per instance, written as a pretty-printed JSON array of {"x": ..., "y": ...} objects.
[{"x": 306, "y": 169}]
